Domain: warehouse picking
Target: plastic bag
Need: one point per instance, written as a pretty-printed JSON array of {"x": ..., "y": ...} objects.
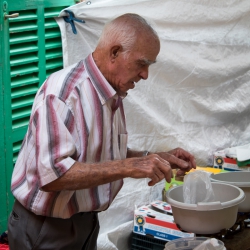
[
  {"x": 197, "y": 187},
  {"x": 210, "y": 244}
]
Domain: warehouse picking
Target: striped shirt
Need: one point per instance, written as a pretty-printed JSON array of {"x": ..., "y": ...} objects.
[{"x": 76, "y": 116}]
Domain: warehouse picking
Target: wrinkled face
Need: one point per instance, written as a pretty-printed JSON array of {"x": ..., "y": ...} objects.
[{"x": 129, "y": 69}]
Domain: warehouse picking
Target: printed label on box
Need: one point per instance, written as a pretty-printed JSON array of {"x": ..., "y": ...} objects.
[
  {"x": 157, "y": 224},
  {"x": 162, "y": 206},
  {"x": 223, "y": 162}
]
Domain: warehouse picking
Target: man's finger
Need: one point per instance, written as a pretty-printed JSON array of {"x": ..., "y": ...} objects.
[
  {"x": 165, "y": 167},
  {"x": 188, "y": 157},
  {"x": 173, "y": 160},
  {"x": 180, "y": 173}
]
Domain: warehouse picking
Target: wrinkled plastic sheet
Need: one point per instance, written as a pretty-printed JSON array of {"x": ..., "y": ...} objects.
[{"x": 197, "y": 94}]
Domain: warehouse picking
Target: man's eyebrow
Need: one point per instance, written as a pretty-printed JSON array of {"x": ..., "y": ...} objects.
[{"x": 146, "y": 61}]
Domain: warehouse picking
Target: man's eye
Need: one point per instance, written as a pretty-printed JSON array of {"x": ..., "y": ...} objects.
[{"x": 141, "y": 65}]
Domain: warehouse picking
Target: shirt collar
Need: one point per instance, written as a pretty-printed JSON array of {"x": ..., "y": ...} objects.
[{"x": 102, "y": 86}]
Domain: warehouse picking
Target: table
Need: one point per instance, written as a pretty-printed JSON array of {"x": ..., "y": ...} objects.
[{"x": 240, "y": 240}]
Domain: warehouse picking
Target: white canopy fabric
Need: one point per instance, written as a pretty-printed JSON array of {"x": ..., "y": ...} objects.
[{"x": 197, "y": 95}]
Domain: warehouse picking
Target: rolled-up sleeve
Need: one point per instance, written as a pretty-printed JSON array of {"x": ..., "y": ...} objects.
[{"x": 55, "y": 136}]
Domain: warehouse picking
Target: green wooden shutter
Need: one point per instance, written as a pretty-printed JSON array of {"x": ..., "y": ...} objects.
[{"x": 30, "y": 51}]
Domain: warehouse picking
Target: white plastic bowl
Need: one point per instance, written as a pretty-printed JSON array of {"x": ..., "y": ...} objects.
[
  {"x": 240, "y": 179},
  {"x": 190, "y": 243},
  {"x": 206, "y": 217}
]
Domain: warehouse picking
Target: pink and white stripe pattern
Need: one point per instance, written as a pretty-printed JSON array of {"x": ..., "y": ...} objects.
[{"x": 76, "y": 116}]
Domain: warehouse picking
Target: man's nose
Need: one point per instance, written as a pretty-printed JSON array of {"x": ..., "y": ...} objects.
[{"x": 144, "y": 73}]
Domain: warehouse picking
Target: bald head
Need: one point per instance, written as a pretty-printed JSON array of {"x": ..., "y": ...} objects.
[
  {"x": 125, "y": 30},
  {"x": 127, "y": 47}
]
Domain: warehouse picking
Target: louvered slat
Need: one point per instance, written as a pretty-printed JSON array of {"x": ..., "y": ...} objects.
[
  {"x": 53, "y": 43},
  {"x": 54, "y": 63},
  {"x": 24, "y": 80},
  {"x": 52, "y": 33},
  {"x": 52, "y": 12},
  {"x": 23, "y": 59},
  {"x": 55, "y": 53},
  {"x": 23, "y": 36},
  {"x": 16, "y": 147},
  {"x": 24, "y": 70},
  {"x": 21, "y": 113},
  {"x": 23, "y": 48},
  {"x": 50, "y": 24},
  {"x": 24, "y": 91},
  {"x": 20, "y": 103},
  {"x": 19, "y": 27},
  {"x": 25, "y": 16},
  {"x": 20, "y": 124}
]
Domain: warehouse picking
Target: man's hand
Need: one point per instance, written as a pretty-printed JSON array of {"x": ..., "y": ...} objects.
[
  {"x": 152, "y": 166},
  {"x": 179, "y": 158}
]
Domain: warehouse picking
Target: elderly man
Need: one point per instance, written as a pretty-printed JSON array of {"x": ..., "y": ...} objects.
[{"x": 74, "y": 156}]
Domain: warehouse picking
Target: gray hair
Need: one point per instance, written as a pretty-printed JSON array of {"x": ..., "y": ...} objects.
[{"x": 125, "y": 30}]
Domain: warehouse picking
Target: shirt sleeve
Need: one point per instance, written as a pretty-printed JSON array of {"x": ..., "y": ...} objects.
[{"x": 55, "y": 134}]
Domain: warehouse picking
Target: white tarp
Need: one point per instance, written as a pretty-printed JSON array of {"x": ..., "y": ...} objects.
[{"x": 197, "y": 95}]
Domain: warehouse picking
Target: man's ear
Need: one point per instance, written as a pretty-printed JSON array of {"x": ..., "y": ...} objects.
[{"x": 114, "y": 52}]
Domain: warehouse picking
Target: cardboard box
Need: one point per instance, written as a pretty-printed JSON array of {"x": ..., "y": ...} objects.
[
  {"x": 221, "y": 161},
  {"x": 156, "y": 220}
]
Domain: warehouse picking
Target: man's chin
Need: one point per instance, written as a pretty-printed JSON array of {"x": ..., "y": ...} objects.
[{"x": 122, "y": 94}]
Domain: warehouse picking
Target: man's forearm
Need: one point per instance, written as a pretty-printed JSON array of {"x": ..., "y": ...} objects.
[{"x": 84, "y": 175}]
